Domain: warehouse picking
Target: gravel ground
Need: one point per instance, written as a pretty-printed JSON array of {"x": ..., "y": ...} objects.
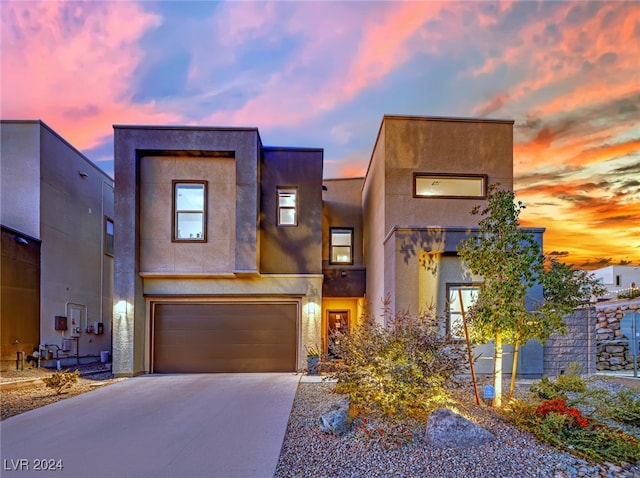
[
  {"x": 22, "y": 390},
  {"x": 308, "y": 452}
]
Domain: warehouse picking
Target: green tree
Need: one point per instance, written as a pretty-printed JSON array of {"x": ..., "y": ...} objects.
[{"x": 511, "y": 262}]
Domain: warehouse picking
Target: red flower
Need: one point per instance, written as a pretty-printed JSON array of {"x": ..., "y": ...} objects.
[{"x": 559, "y": 406}]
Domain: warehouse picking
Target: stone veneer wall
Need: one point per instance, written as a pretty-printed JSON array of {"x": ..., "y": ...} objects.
[
  {"x": 577, "y": 345},
  {"x": 612, "y": 347}
]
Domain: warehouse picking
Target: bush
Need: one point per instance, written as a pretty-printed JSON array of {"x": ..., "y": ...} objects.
[
  {"x": 568, "y": 382},
  {"x": 565, "y": 428},
  {"x": 398, "y": 369},
  {"x": 61, "y": 380},
  {"x": 622, "y": 407},
  {"x": 625, "y": 407}
]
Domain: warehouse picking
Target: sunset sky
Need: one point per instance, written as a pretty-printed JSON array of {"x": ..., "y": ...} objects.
[{"x": 322, "y": 74}]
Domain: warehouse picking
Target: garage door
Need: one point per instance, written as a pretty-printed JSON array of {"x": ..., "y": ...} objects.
[{"x": 204, "y": 338}]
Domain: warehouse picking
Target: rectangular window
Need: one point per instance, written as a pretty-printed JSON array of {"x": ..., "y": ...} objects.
[
  {"x": 469, "y": 293},
  {"x": 108, "y": 236},
  {"x": 189, "y": 211},
  {"x": 618, "y": 280},
  {"x": 341, "y": 245},
  {"x": 450, "y": 186},
  {"x": 287, "y": 207}
]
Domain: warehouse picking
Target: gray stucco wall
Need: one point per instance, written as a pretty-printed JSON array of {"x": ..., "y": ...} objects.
[
  {"x": 291, "y": 249},
  {"x": 64, "y": 199},
  {"x": 20, "y": 178}
]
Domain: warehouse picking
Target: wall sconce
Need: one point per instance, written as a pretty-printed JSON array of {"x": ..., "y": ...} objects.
[
  {"x": 82, "y": 174},
  {"x": 20, "y": 240}
]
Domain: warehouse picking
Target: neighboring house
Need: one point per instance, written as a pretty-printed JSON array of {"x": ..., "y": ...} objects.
[
  {"x": 232, "y": 256},
  {"x": 623, "y": 281},
  {"x": 424, "y": 178},
  {"x": 56, "y": 212}
]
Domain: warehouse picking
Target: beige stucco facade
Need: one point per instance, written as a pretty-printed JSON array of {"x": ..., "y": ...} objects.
[
  {"x": 402, "y": 230},
  {"x": 53, "y": 194},
  {"x": 234, "y": 265}
]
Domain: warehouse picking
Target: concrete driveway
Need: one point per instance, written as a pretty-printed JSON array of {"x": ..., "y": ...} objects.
[{"x": 213, "y": 425}]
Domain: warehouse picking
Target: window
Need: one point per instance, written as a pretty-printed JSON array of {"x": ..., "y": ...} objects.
[
  {"x": 341, "y": 245},
  {"x": 108, "y": 236},
  {"x": 450, "y": 186},
  {"x": 189, "y": 211},
  {"x": 469, "y": 294},
  {"x": 618, "y": 280},
  {"x": 287, "y": 207}
]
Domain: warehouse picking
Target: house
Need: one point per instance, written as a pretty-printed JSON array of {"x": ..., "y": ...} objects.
[
  {"x": 56, "y": 216},
  {"x": 621, "y": 281},
  {"x": 231, "y": 256}
]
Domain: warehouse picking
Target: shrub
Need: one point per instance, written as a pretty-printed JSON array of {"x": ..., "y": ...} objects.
[
  {"x": 398, "y": 369},
  {"x": 61, "y": 380},
  {"x": 568, "y": 382},
  {"x": 622, "y": 407},
  {"x": 625, "y": 407},
  {"x": 566, "y": 429}
]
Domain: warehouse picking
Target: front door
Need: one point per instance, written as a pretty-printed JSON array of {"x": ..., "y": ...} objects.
[{"x": 337, "y": 322}]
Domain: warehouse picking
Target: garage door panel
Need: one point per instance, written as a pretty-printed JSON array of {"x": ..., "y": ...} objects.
[
  {"x": 216, "y": 337},
  {"x": 202, "y": 338}
]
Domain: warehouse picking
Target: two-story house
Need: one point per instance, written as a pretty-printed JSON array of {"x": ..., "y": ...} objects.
[
  {"x": 232, "y": 256},
  {"x": 56, "y": 212}
]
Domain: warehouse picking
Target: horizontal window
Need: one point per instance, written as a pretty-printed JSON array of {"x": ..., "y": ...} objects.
[
  {"x": 190, "y": 211},
  {"x": 450, "y": 186}
]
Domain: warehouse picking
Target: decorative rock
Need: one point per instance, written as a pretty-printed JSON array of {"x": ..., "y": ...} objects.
[
  {"x": 334, "y": 421},
  {"x": 446, "y": 428}
]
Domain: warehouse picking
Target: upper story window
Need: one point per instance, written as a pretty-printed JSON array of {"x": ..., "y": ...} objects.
[
  {"x": 108, "y": 236},
  {"x": 287, "y": 206},
  {"x": 469, "y": 294},
  {"x": 189, "y": 210},
  {"x": 341, "y": 245},
  {"x": 450, "y": 185}
]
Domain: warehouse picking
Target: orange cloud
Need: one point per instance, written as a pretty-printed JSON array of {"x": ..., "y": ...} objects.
[
  {"x": 73, "y": 62},
  {"x": 385, "y": 43}
]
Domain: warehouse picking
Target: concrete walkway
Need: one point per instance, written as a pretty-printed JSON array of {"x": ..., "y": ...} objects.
[{"x": 213, "y": 425}]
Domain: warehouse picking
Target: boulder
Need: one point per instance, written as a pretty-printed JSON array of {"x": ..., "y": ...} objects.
[
  {"x": 446, "y": 428},
  {"x": 334, "y": 422}
]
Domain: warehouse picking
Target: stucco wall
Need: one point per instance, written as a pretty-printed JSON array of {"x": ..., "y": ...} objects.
[
  {"x": 75, "y": 198},
  {"x": 440, "y": 145},
  {"x": 373, "y": 196},
  {"x": 342, "y": 207},
  {"x": 291, "y": 249},
  {"x": 20, "y": 178},
  {"x": 158, "y": 253},
  {"x": 408, "y": 145},
  {"x": 130, "y": 335}
]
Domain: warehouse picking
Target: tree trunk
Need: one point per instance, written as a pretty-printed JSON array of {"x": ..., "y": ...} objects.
[
  {"x": 514, "y": 369},
  {"x": 497, "y": 372}
]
